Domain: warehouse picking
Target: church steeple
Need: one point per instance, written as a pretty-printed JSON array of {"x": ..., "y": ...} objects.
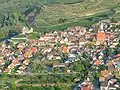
[{"x": 101, "y": 27}]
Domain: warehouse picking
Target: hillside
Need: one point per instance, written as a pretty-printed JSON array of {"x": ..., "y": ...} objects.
[
  {"x": 70, "y": 13},
  {"x": 46, "y": 15}
]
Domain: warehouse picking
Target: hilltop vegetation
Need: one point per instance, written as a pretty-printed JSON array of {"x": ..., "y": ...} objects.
[{"x": 46, "y": 15}]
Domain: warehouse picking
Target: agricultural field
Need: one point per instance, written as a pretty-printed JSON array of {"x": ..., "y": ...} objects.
[{"x": 60, "y": 14}]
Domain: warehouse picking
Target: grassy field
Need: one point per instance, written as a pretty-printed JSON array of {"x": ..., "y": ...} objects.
[
  {"x": 33, "y": 36},
  {"x": 74, "y": 13}
]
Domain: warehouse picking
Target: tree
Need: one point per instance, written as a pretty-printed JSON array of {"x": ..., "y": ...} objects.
[
  {"x": 64, "y": 56},
  {"x": 113, "y": 20},
  {"x": 108, "y": 51},
  {"x": 51, "y": 88},
  {"x": 78, "y": 66},
  {"x": 117, "y": 49},
  {"x": 86, "y": 55},
  {"x": 61, "y": 20}
]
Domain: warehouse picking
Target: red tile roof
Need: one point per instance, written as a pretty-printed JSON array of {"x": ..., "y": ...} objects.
[
  {"x": 104, "y": 73},
  {"x": 98, "y": 62},
  {"x": 15, "y": 62},
  {"x": 34, "y": 49},
  {"x": 87, "y": 87},
  {"x": 101, "y": 36},
  {"x": 26, "y": 62},
  {"x": 65, "y": 49},
  {"x": 11, "y": 66},
  {"x": 7, "y": 70},
  {"x": 2, "y": 61},
  {"x": 118, "y": 55}
]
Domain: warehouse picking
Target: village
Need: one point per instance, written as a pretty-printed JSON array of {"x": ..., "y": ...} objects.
[{"x": 59, "y": 50}]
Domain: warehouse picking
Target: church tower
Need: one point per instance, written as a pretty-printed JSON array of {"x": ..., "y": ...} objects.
[{"x": 101, "y": 29}]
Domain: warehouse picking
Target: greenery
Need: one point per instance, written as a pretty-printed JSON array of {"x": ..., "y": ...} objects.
[
  {"x": 33, "y": 36},
  {"x": 41, "y": 88},
  {"x": 49, "y": 15},
  {"x": 54, "y": 15}
]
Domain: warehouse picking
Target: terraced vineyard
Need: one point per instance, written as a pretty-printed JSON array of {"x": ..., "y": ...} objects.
[
  {"x": 55, "y": 14},
  {"x": 75, "y": 12}
]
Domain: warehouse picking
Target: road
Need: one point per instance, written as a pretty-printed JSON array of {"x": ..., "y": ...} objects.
[
  {"x": 45, "y": 84},
  {"x": 34, "y": 74}
]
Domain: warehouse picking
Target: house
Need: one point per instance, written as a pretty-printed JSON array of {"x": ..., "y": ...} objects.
[
  {"x": 1, "y": 71},
  {"x": 57, "y": 39},
  {"x": 72, "y": 38},
  {"x": 21, "y": 45},
  {"x": 82, "y": 41},
  {"x": 111, "y": 67},
  {"x": 103, "y": 86},
  {"x": 100, "y": 57},
  {"x": 25, "y": 30},
  {"x": 11, "y": 66},
  {"x": 59, "y": 65},
  {"x": 57, "y": 57},
  {"x": 7, "y": 52},
  {"x": 39, "y": 42},
  {"x": 114, "y": 44},
  {"x": 52, "y": 46},
  {"x": 102, "y": 37},
  {"x": 117, "y": 56},
  {"x": 117, "y": 65},
  {"x": 21, "y": 49},
  {"x": 65, "y": 49},
  {"x": 19, "y": 71},
  {"x": 96, "y": 27},
  {"x": 20, "y": 57},
  {"x": 31, "y": 30},
  {"x": 23, "y": 67},
  {"x": 33, "y": 49},
  {"x": 1, "y": 55},
  {"x": 66, "y": 40},
  {"x": 103, "y": 75},
  {"x": 26, "y": 62},
  {"x": 2, "y": 61},
  {"x": 74, "y": 49},
  {"x": 98, "y": 62},
  {"x": 16, "y": 62},
  {"x": 86, "y": 86},
  {"x": 62, "y": 41},
  {"x": 82, "y": 31},
  {"x": 47, "y": 50},
  {"x": 50, "y": 57},
  {"x": 7, "y": 70},
  {"x": 71, "y": 58},
  {"x": 28, "y": 54},
  {"x": 94, "y": 58},
  {"x": 48, "y": 37},
  {"x": 112, "y": 84}
]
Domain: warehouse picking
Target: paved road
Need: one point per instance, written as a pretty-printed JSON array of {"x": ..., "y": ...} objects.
[
  {"x": 33, "y": 74},
  {"x": 45, "y": 84}
]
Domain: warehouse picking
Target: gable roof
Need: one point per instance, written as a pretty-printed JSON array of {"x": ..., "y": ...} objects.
[
  {"x": 2, "y": 61},
  {"x": 15, "y": 62},
  {"x": 65, "y": 49},
  {"x": 98, "y": 62},
  {"x": 101, "y": 36},
  {"x": 26, "y": 62},
  {"x": 34, "y": 49},
  {"x": 104, "y": 73}
]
